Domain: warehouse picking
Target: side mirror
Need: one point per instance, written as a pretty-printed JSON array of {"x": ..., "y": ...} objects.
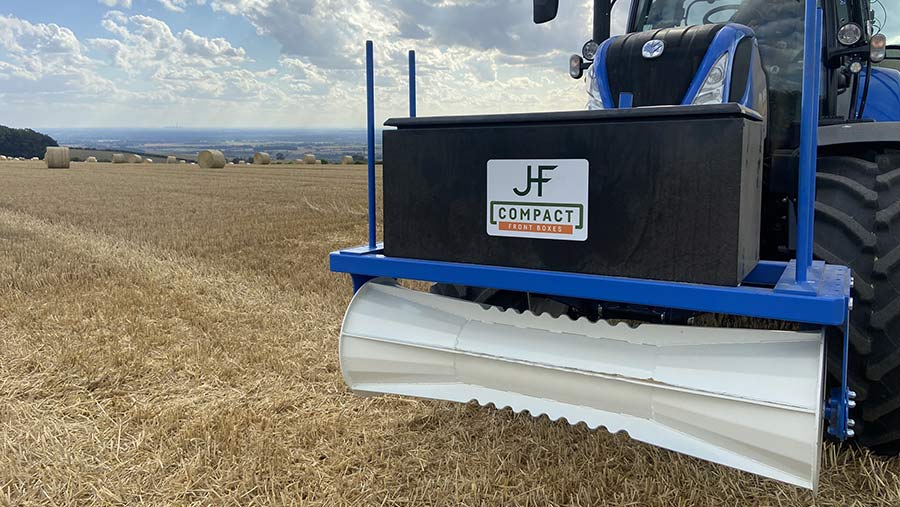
[
  {"x": 545, "y": 10},
  {"x": 576, "y": 66}
]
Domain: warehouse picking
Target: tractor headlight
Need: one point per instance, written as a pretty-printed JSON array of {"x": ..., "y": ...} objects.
[
  {"x": 850, "y": 34},
  {"x": 593, "y": 89},
  {"x": 589, "y": 50},
  {"x": 713, "y": 89}
]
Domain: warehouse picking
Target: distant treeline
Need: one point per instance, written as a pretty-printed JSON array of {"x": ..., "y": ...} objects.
[{"x": 24, "y": 142}]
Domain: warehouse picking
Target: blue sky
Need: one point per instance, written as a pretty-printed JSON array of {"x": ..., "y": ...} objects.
[
  {"x": 85, "y": 17},
  {"x": 283, "y": 63},
  {"x": 275, "y": 63}
]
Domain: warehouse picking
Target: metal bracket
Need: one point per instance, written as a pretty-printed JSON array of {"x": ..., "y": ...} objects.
[
  {"x": 842, "y": 399},
  {"x": 788, "y": 284},
  {"x": 364, "y": 250},
  {"x": 359, "y": 281}
]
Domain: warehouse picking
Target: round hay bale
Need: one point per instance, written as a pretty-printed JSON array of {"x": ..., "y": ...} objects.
[
  {"x": 230, "y": 163},
  {"x": 242, "y": 162},
  {"x": 57, "y": 157},
  {"x": 211, "y": 159},
  {"x": 119, "y": 158},
  {"x": 318, "y": 162},
  {"x": 171, "y": 160},
  {"x": 34, "y": 159},
  {"x": 262, "y": 158},
  {"x": 309, "y": 158},
  {"x": 182, "y": 161},
  {"x": 2, "y": 157},
  {"x": 91, "y": 160},
  {"x": 148, "y": 160},
  {"x": 134, "y": 159},
  {"x": 346, "y": 160}
]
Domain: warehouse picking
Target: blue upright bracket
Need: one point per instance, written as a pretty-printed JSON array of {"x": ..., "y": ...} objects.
[
  {"x": 841, "y": 399},
  {"x": 370, "y": 126},
  {"x": 412, "y": 84},
  {"x": 809, "y": 276},
  {"x": 809, "y": 129}
]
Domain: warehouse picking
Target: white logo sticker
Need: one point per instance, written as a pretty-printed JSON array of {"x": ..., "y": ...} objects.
[{"x": 544, "y": 199}]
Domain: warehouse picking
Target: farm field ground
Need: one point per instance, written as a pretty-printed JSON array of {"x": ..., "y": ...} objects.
[{"x": 168, "y": 336}]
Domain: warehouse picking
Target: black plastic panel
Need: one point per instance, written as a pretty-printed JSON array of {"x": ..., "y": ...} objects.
[
  {"x": 630, "y": 72},
  {"x": 671, "y": 196},
  {"x": 740, "y": 71}
]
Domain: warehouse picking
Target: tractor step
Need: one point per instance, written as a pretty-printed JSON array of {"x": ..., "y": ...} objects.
[{"x": 748, "y": 399}]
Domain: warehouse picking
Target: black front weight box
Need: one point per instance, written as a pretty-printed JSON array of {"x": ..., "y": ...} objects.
[{"x": 663, "y": 193}]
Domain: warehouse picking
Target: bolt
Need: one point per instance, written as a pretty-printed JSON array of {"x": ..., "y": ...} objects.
[
  {"x": 851, "y": 433},
  {"x": 851, "y": 395},
  {"x": 851, "y": 423},
  {"x": 852, "y": 282},
  {"x": 851, "y": 404},
  {"x": 850, "y": 304}
]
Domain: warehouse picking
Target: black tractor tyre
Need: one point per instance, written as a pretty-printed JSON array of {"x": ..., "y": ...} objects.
[{"x": 857, "y": 224}]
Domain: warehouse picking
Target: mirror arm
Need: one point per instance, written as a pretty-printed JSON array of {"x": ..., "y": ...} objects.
[
  {"x": 546, "y": 10},
  {"x": 602, "y": 20}
]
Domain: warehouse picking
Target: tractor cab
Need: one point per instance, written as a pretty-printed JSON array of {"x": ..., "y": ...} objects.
[{"x": 748, "y": 52}]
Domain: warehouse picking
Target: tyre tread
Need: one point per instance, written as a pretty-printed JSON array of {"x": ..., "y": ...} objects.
[{"x": 869, "y": 239}]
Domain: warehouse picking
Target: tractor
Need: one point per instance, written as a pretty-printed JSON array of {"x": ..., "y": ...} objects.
[
  {"x": 735, "y": 158},
  {"x": 857, "y": 203}
]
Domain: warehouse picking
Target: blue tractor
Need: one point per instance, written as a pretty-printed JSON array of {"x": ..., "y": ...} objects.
[
  {"x": 737, "y": 158},
  {"x": 750, "y": 52}
]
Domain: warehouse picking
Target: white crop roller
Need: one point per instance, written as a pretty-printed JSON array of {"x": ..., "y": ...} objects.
[{"x": 749, "y": 399}]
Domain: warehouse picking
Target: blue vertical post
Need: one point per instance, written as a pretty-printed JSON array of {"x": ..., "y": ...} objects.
[
  {"x": 814, "y": 138},
  {"x": 412, "y": 83},
  {"x": 808, "y": 139},
  {"x": 370, "y": 125}
]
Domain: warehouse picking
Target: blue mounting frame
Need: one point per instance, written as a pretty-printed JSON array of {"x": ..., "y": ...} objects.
[
  {"x": 827, "y": 307},
  {"x": 801, "y": 290}
]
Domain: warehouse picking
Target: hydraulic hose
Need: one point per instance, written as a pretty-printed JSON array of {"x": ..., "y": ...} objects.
[
  {"x": 865, "y": 95},
  {"x": 853, "y": 92}
]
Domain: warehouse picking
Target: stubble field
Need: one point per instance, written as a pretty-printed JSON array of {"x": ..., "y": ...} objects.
[{"x": 168, "y": 336}]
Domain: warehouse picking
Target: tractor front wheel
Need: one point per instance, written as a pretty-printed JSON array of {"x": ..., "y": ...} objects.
[{"x": 857, "y": 224}]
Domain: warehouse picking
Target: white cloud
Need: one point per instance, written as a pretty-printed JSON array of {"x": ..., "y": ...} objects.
[
  {"x": 45, "y": 58},
  {"x": 474, "y": 56},
  {"x": 218, "y": 50},
  {"x": 174, "y": 5},
  {"x": 141, "y": 66},
  {"x": 125, "y": 4},
  {"x": 140, "y": 41}
]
